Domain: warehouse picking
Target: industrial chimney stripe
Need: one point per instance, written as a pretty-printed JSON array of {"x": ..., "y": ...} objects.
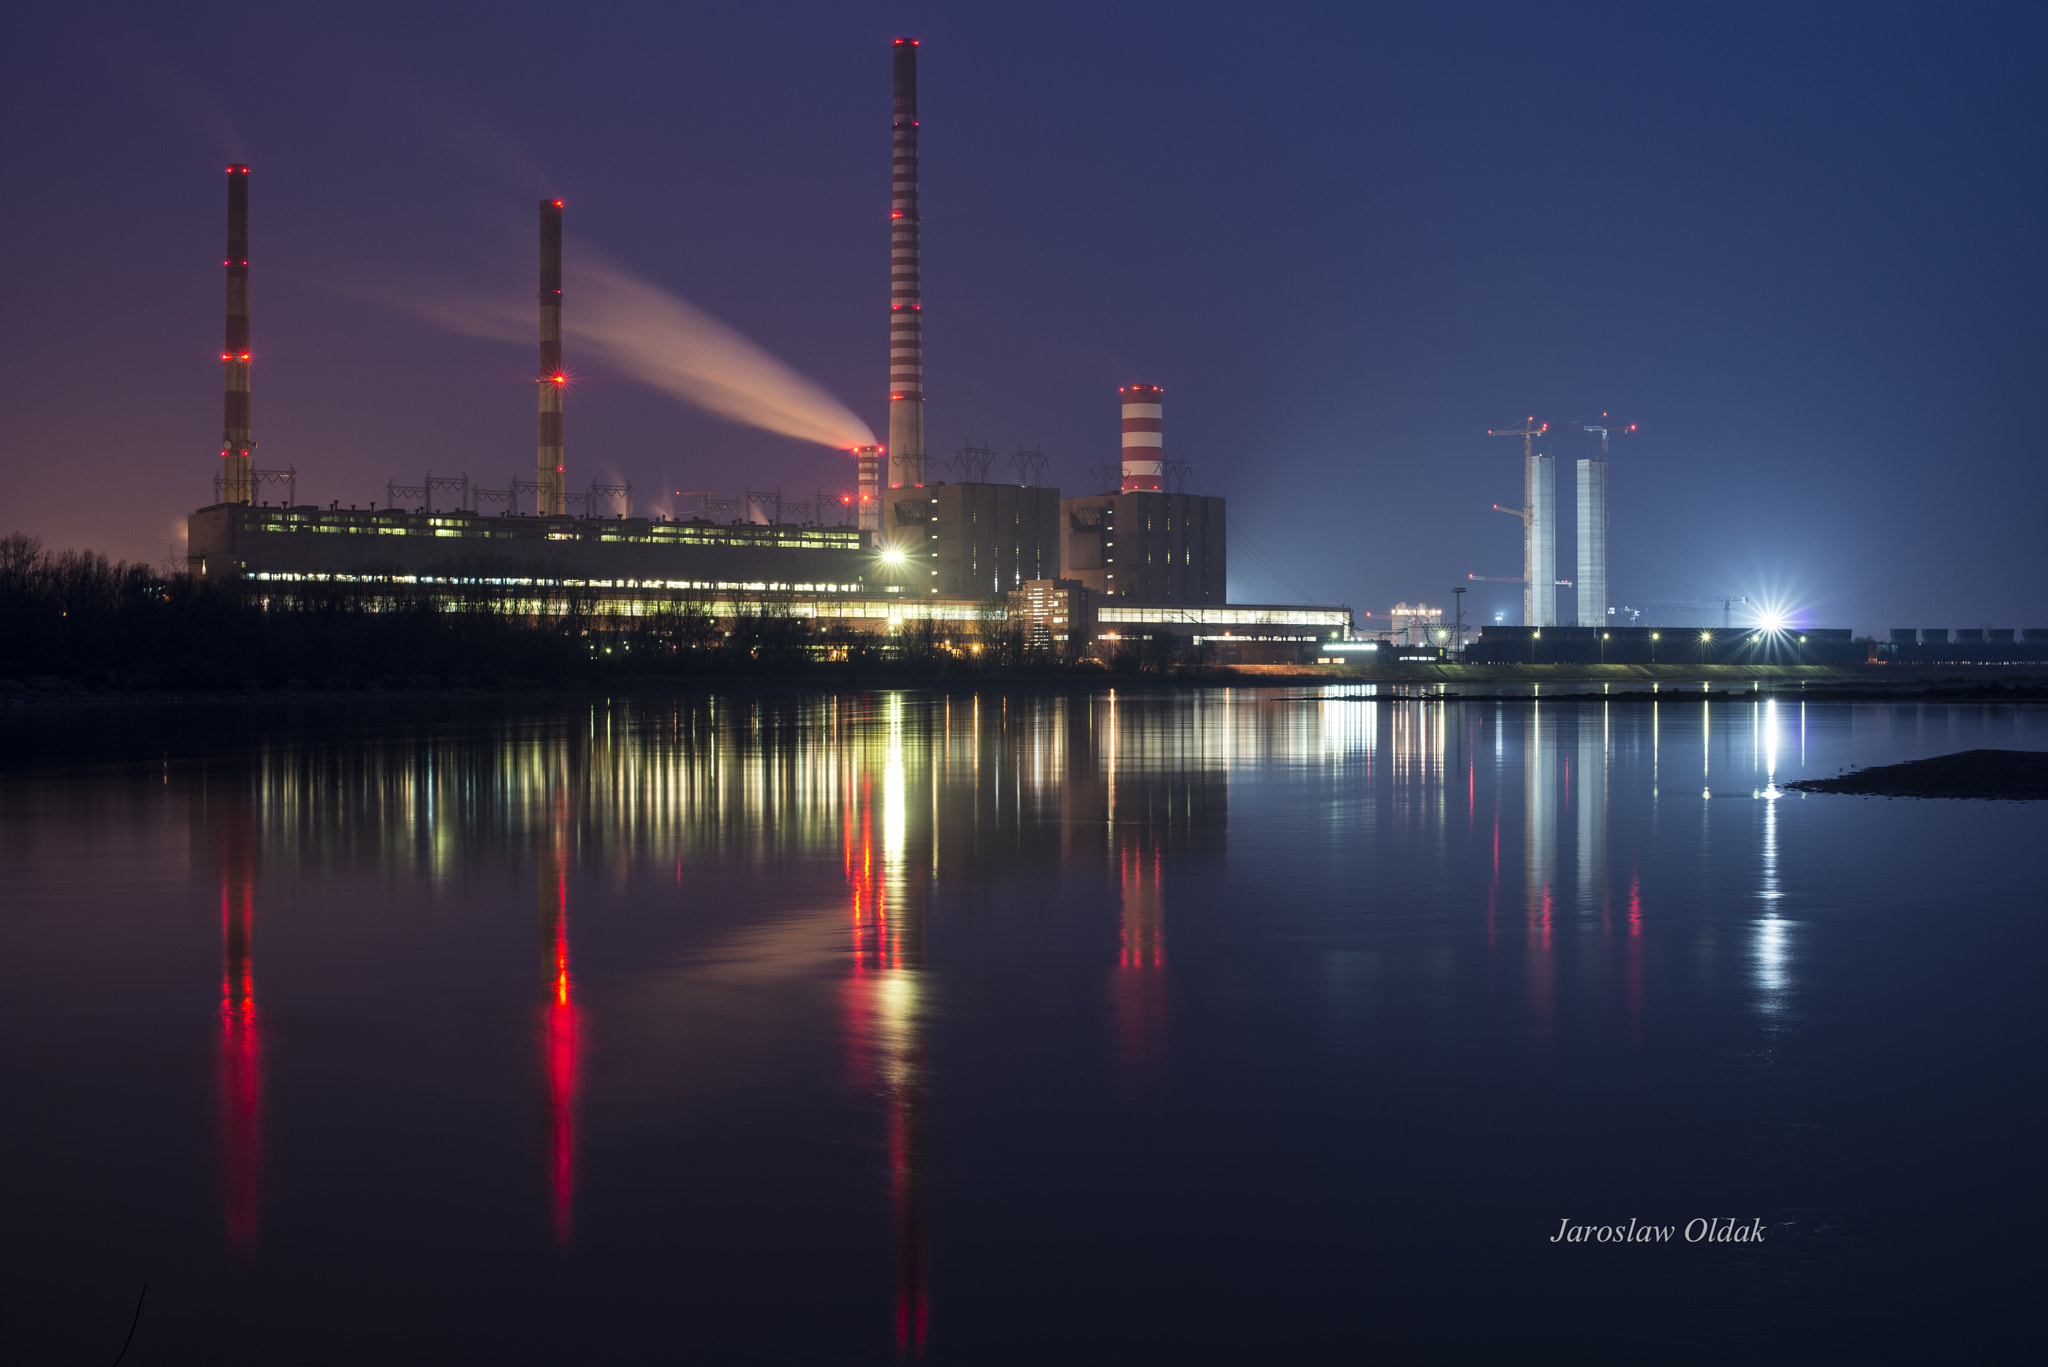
[
  {"x": 906, "y": 295},
  {"x": 237, "y": 439},
  {"x": 549, "y": 494},
  {"x": 1144, "y": 455}
]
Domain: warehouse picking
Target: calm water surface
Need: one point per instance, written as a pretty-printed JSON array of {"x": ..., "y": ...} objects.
[{"x": 1232, "y": 1026}]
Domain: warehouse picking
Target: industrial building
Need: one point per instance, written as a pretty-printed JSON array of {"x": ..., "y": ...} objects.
[
  {"x": 1663, "y": 645},
  {"x": 972, "y": 540},
  {"x": 1968, "y": 645},
  {"x": 1142, "y": 544},
  {"x": 346, "y": 545},
  {"x": 1240, "y": 633},
  {"x": 1057, "y": 614}
]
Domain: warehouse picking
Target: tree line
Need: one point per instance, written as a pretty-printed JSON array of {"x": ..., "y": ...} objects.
[{"x": 75, "y": 619}]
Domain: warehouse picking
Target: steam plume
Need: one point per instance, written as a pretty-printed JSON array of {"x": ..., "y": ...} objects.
[{"x": 641, "y": 330}]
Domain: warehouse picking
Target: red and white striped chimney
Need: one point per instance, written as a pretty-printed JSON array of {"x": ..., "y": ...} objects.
[
  {"x": 1144, "y": 444},
  {"x": 237, "y": 442},
  {"x": 906, "y": 290},
  {"x": 549, "y": 499}
]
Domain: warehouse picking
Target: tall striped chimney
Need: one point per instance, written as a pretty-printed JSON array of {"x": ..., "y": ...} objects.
[
  {"x": 237, "y": 444},
  {"x": 547, "y": 499},
  {"x": 1144, "y": 441},
  {"x": 906, "y": 296}
]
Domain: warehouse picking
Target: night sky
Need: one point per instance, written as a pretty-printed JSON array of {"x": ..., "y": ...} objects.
[{"x": 1800, "y": 245}]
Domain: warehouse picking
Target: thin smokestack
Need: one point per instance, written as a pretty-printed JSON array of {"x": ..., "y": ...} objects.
[
  {"x": 237, "y": 443},
  {"x": 548, "y": 497},
  {"x": 906, "y": 295},
  {"x": 868, "y": 465}
]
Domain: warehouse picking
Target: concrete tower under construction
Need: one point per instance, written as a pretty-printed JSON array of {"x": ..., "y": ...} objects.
[
  {"x": 906, "y": 295},
  {"x": 549, "y": 498},
  {"x": 1539, "y": 541},
  {"x": 1592, "y": 543},
  {"x": 237, "y": 443}
]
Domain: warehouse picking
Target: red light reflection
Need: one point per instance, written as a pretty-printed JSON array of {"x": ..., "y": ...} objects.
[
  {"x": 241, "y": 1044},
  {"x": 562, "y": 1060},
  {"x": 885, "y": 1040},
  {"x": 1635, "y": 956},
  {"x": 1140, "y": 986}
]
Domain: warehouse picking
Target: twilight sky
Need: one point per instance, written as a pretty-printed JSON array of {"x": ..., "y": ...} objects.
[{"x": 1801, "y": 245}]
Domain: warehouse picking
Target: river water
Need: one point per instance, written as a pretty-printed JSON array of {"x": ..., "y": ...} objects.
[{"x": 1251, "y": 1025}]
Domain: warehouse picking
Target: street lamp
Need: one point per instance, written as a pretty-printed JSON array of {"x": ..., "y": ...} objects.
[{"x": 1654, "y": 638}]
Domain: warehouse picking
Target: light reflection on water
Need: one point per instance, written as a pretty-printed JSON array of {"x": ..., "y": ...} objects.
[{"x": 1199, "y": 858}]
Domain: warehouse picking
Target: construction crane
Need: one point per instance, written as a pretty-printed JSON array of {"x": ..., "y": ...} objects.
[
  {"x": 1528, "y": 432},
  {"x": 1601, "y": 427},
  {"x": 1508, "y": 578}
]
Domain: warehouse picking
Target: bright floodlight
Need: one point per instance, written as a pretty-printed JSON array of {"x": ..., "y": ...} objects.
[{"x": 892, "y": 556}]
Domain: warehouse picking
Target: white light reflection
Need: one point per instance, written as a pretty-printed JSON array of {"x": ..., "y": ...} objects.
[
  {"x": 1770, "y": 958},
  {"x": 1770, "y": 740},
  {"x": 1770, "y": 950},
  {"x": 892, "y": 785}
]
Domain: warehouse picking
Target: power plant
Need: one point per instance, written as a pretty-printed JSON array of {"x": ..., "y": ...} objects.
[
  {"x": 1141, "y": 564},
  {"x": 1143, "y": 561}
]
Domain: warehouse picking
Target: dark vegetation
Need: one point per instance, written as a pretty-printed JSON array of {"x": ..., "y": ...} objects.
[
  {"x": 74, "y": 620},
  {"x": 2005, "y": 775}
]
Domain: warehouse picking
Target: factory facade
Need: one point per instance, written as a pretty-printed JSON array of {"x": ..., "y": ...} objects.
[
  {"x": 1146, "y": 547},
  {"x": 305, "y": 543},
  {"x": 971, "y": 540}
]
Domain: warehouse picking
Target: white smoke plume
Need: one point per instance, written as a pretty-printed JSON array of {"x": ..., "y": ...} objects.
[{"x": 615, "y": 319}]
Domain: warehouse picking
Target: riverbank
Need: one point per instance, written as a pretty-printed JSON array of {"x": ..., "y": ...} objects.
[{"x": 1990, "y": 775}]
